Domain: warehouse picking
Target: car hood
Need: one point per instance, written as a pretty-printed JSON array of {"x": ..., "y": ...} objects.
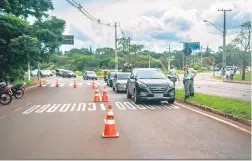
[
  {"x": 155, "y": 81},
  {"x": 122, "y": 81}
]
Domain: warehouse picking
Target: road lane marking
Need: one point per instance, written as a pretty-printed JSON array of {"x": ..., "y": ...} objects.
[
  {"x": 89, "y": 84},
  {"x": 80, "y": 84},
  {"x": 61, "y": 85},
  {"x": 70, "y": 84},
  {"x": 18, "y": 109},
  {"x": 65, "y": 107},
  {"x": 31, "y": 109},
  {"x": 43, "y": 108},
  {"x": 3, "y": 117},
  {"x": 129, "y": 105},
  {"x": 191, "y": 135},
  {"x": 120, "y": 106},
  {"x": 52, "y": 85},
  {"x": 90, "y": 106},
  {"x": 28, "y": 103},
  {"x": 216, "y": 118}
]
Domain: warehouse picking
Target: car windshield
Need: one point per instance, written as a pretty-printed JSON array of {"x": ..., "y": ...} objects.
[
  {"x": 150, "y": 74},
  {"x": 91, "y": 72},
  {"x": 123, "y": 76}
]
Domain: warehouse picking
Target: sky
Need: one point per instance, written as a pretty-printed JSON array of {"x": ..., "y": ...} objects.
[{"x": 156, "y": 24}]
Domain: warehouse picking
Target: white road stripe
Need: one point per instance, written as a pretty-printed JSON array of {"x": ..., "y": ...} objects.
[
  {"x": 120, "y": 105},
  {"x": 141, "y": 107},
  {"x": 2, "y": 117},
  {"x": 31, "y": 109},
  {"x": 80, "y": 84},
  {"x": 52, "y": 85},
  {"x": 216, "y": 118},
  {"x": 175, "y": 107},
  {"x": 167, "y": 106},
  {"x": 17, "y": 109},
  {"x": 61, "y": 85},
  {"x": 150, "y": 107},
  {"x": 70, "y": 84},
  {"x": 89, "y": 84},
  {"x": 129, "y": 105},
  {"x": 103, "y": 108}
]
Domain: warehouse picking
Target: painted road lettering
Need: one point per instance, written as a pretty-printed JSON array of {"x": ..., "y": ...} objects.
[
  {"x": 64, "y": 107},
  {"x": 43, "y": 108},
  {"x": 81, "y": 107},
  {"x": 31, "y": 109},
  {"x": 53, "y": 108}
]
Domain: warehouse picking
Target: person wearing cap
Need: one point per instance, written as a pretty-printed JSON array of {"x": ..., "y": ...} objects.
[{"x": 188, "y": 81}]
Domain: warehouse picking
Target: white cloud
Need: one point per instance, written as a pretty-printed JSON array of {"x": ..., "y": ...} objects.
[{"x": 138, "y": 18}]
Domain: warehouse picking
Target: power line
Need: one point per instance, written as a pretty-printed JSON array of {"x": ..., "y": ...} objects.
[{"x": 88, "y": 15}]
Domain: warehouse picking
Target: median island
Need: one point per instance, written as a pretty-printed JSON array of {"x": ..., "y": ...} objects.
[{"x": 231, "y": 106}]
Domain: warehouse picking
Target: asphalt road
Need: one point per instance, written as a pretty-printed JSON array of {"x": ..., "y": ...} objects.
[
  {"x": 206, "y": 84},
  {"x": 64, "y": 123}
]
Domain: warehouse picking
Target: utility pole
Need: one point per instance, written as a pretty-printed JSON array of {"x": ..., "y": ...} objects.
[
  {"x": 201, "y": 56},
  {"x": 38, "y": 73},
  {"x": 116, "y": 56},
  {"x": 169, "y": 58},
  {"x": 129, "y": 49},
  {"x": 29, "y": 71},
  {"x": 224, "y": 38}
]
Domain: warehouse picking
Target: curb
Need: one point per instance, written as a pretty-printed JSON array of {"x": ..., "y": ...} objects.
[
  {"x": 34, "y": 86},
  {"x": 240, "y": 82},
  {"x": 218, "y": 112}
]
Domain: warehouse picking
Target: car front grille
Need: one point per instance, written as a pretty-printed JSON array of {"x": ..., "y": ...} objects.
[{"x": 158, "y": 89}]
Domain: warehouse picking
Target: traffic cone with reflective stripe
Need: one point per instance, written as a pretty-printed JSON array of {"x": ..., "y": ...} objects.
[
  {"x": 110, "y": 126},
  {"x": 109, "y": 109},
  {"x": 57, "y": 84},
  {"x": 96, "y": 96},
  {"x": 75, "y": 85},
  {"x": 104, "y": 95}
]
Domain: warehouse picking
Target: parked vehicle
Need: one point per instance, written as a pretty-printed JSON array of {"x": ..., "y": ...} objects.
[
  {"x": 110, "y": 79},
  {"x": 150, "y": 84},
  {"x": 59, "y": 72},
  {"x": 68, "y": 74},
  {"x": 17, "y": 90},
  {"x": 5, "y": 97},
  {"x": 90, "y": 75},
  {"x": 120, "y": 81}
]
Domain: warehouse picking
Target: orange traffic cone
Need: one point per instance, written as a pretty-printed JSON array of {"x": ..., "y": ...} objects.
[
  {"x": 40, "y": 83},
  {"x": 109, "y": 109},
  {"x": 75, "y": 85},
  {"x": 110, "y": 126},
  {"x": 57, "y": 84},
  {"x": 96, "y": 95},
  {"x": 93, "y": 85},
  {"x": 104, "y": 95}
]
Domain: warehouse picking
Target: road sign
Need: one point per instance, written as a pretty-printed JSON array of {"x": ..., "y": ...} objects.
[
  {"x": 192, "y": 45},
  {"x": 68, "y": 40}
]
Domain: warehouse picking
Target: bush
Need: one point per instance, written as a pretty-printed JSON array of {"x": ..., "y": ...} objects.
[{"x": 196, "y": 66}]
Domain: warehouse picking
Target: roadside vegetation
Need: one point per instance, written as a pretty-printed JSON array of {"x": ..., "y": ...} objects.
[{"x": 235, "y": 107}]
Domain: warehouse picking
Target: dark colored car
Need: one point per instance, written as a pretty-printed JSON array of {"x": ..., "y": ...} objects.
[
  {"x": 150, "y": 84},
  {"x": 89, "y": 75},
  {"x": 110, "y": 79},
  {"x": 59, "y": 72},
  {"x": 68, "y": 74}
]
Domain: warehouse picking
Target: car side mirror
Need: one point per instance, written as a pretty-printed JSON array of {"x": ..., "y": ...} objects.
[{"x": 131, "y": 77}]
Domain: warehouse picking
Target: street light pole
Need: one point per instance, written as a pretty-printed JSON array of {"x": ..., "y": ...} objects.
[{"x": 224, "y": 38}]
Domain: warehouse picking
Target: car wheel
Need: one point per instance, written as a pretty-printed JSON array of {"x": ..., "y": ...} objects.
[
  {"x": 110, "y": 84},
  {"x": 136, "y": 97},
  {"x": 128, "y": 94},
  {"x": 171, "y": 100}
]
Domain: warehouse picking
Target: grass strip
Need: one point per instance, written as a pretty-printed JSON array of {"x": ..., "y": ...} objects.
[{"x": 231, "y": 106}]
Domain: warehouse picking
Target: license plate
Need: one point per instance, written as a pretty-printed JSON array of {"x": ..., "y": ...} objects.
[{"x": 158, "y": 95}]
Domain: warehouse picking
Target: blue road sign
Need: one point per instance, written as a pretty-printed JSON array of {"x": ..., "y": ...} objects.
[{"x": 192, "y": 45}]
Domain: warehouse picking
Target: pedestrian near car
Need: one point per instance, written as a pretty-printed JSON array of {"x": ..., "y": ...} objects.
[
  {"x": 173, "y": 73},
  {"x": 188, "y": 81}
]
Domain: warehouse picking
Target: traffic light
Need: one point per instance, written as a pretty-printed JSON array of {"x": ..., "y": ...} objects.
[{"x": 187, "y": 51}]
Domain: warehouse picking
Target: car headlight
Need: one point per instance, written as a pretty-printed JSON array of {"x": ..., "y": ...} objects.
[
  {"x": 171, "y": 86},
  {"x": 141, "y": 85}
]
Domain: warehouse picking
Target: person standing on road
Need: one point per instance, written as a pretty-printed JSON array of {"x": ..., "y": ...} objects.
[
  {"x": 188, "y": 81},
  {"x": 223, "y": 73}
]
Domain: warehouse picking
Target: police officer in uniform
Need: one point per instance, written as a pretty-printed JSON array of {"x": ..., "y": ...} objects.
[{"x": 188, "y": 81}]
